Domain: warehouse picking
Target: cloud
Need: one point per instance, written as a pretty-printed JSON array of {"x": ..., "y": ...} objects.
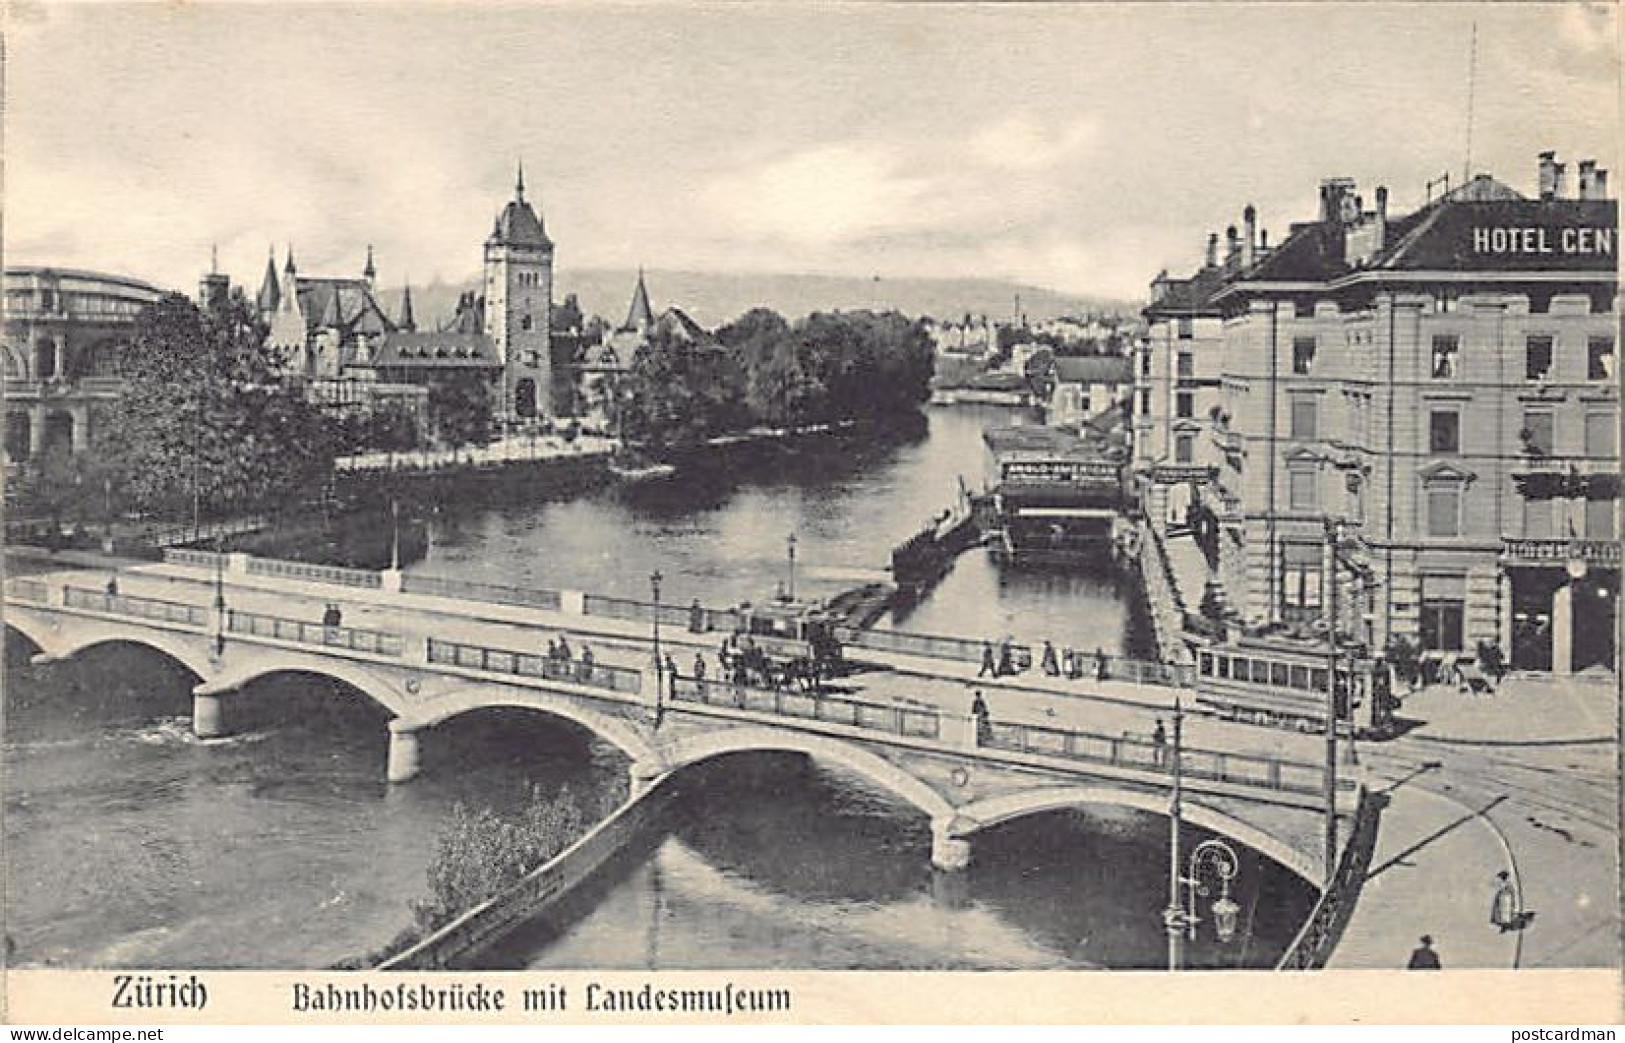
[
  {"x": 821, "y": 197},
  {"x": 1023, "y": 143}
]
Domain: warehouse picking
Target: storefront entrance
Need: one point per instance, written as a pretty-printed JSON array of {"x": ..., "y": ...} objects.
[
  {"x": 1596, "y": 599},
  {"x": 1532, "y": 593}
]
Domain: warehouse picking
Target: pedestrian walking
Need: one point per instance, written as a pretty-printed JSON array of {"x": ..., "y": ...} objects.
[
  {"x": 699, "y": 667},
  {"x": 988, "y": 665},
  {"x": 332, "y": 617},
  {"x": 1100, "y": 665},
  {"x": 1159, "y": 740},
  {"x": 1052, "y": 663},
  {"x": 1007, "y": 665},
  {"x": 696, "y": 618},
  {"x": 1074, "y": 664},
  {"x": 552, "y": 651},
  {"x": 1504, "y": 911},
  {"x": 1423, "y": 958},
  {"x": 112, "y": 586},
  {"x": 564, "y": 649},
  {"x": 671, "y": 667}
]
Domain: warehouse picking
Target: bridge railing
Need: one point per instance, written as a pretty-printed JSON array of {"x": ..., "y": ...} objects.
[
  {"x": 810, "y": 706},
  {"x": 1023, "y": 657},
  {"x": 27, "y": 590},
  {"x": 1123, "y": 751},
  {"x": 317, "y": 573},
  {"x": 126, "y": 605},
  {"x": 631, "y": 608},
  {"x": 377, "y": 642},
  {"x": 439, "y": 586},
  {"x": 203, "y": 559},
  {"x": 1321, "y": 932},
  {"x": 527, "y": 664}
]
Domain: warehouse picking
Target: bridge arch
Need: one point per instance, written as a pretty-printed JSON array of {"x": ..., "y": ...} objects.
[
  {"x": 616, "y": 731},
  {"x": 877, "y": 769},
  {"x": 993, "y": 810},
  {"x": 74, "y": 639},
  {"x": 365, "y": 681}
]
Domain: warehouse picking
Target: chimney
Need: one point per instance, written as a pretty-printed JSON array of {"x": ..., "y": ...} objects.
[
  {"x": 1249, "y": 221},
  {"x": 1213, "y": 249},
  {"x": 1263, "y": 240},
  {"x": 1558, "y": 186},
  {"x": 1382, "y": 216},
  {"x": 1588, "y": 170},
  {"x": 1231, "y": 247},
  {"x": 1548, "y": 175},
  {"x": 1599, "y": 184}
]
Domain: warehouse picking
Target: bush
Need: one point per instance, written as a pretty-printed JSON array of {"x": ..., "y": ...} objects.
[
  {"x": 1491, "y": 659},
  {"x": 1403, "y": 656}
]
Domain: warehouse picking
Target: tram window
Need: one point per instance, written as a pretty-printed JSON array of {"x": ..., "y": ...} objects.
[
  {"x": 1224, "y": 666},
  {"x": 1318, "y": 683},
  {"x": 1241, "y": 669},
  {"x": 1300, "y": 677},
  {"x": 1207, "y": 664},
  {"x": 1278, "y": 675}
]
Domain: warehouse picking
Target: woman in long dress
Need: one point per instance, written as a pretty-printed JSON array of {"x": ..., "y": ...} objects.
[{"x": 1504, "y": 907}]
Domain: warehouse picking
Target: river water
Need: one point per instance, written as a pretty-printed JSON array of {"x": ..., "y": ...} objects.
[{"x": 129, "y": 843}]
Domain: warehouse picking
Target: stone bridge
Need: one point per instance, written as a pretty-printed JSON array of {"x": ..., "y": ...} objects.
[{"x": 426, "y": 660}]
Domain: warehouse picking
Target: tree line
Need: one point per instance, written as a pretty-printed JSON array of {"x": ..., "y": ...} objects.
[{"x": 762, "y": 370}]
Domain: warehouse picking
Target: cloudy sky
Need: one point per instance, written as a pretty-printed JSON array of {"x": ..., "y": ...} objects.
[{"x": 1080, "y": 147}]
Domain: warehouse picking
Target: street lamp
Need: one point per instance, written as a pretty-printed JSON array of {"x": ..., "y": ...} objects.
[
  {"x": 654, "y": 584},
  {"x": 1173, "y": 915},
  {"x": 790, "y": 550},
  {"x": 219, "y": 595},
  {"x": 394, "y": 534},
  {"x": 1221, "y": 859}
]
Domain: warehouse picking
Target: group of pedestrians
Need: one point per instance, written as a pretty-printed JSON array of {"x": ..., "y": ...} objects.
[
  {"x": 566, "y": 663},
  {"x": 1506, "y": 914},
  {"x": 1000, "y": 661}
]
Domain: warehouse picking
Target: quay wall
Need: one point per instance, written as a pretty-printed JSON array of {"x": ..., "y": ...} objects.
[
  {"x": 540, "y": 890},
  {"x": 1167, "y": 609}
]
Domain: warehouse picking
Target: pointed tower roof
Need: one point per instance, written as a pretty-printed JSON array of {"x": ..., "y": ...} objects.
[
  {"x": 640, "y": 316},
  {"x": 518, "y": 224},
  {"x": 289, "y": 268},
  {"x": 270, "y": 294},
  {"x": 407, "y": 322},
  {"x": 370, "y": 272}
]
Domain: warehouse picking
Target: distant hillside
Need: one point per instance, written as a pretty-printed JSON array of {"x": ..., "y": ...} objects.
[{"x": 714, "y": 298}]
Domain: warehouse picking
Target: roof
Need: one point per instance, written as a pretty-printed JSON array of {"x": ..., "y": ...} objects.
[
  {"x": 639, "y": 315},
  {"x": 270, "y": 294},
  {"x": 1190, "y": 296},
  {"x": 1093, "y": 369},
  {"x": 436, "y": 350},
  {"x": 344, "y": 304},
  {"x": 1035, "y": 439},
  {"x": 518, "y": 224},
  {"x": 675, "y": 323}
]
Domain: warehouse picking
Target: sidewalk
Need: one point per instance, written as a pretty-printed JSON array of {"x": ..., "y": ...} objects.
[
  {"x": 1431, "y": 874},
  {"x": 1524, "y": 710}
]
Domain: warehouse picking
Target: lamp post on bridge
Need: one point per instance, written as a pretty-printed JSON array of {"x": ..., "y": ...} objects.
[
  {"x": 654, "y": 585},
  {"x": 1173, "y": 917},
  {"x": 219, "y": 595},
  {"x": 1180, "y": 918},
  {"x": 394, "y": 534},
  {"x": 790, "y": 551}
]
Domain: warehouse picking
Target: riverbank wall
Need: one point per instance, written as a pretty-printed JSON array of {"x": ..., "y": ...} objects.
[
  {"x": 1166, "y": 607},
  {"x": 539, "y": 891}
]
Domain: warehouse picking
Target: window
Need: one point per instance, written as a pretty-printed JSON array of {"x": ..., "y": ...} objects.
[
  {"x": 1145, "y": 401},
  {"x": 1443, "y": 602},
  {"x": 1184, "y": 405},
  {"x": 1446, "y": 356},
  {"x": 1302, "y": 489},
  {"x": 1300, "y": 585},
  {"x": 1444, "y": 431},
  {"x": 1600, "y": 358},
  {"x": 1538, "y": 358},
  {"x": 1305, "y": 416},
  {"x": 1145, "y": 363},
  {"x": 1538, "y": 434},
  {"x": 1186, "y": 328},
  {"x": 524, "y": 323},
  {"x": 1084, "y": 406},
  {"x": 1182, "y": 449},
  {"x": 1600, "y": 434},
  {"x": 1303, "y": 355},
  {"x": 1303, "y": 309},
  {"x": 1444, "y": 509},
  {"x": 1182, "y": 365},
  {"x": 1537, "y": 519},
  {"x": 1444, "y": 301},
  {"x": 1599, "y": 519}
]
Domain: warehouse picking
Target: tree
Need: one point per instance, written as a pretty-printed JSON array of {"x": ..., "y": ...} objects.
[
  {"x": 461, "y": 408},
  {"x": 204, "y": 422}
]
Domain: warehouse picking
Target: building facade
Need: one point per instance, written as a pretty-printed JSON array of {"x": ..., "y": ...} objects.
[
  {"x": 1436, "y": 394},
  {"x": 64, "y": 329}
]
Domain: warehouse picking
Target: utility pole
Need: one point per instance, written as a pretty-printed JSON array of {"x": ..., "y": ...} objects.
[
  {"x": 1173, "y": 918},
  {"x": 1330, "y": 585}
]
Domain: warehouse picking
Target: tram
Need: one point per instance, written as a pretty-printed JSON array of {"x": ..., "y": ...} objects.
[
  {"x": 783, "y": 641},
  {"x": 1282, "y": 682}
]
